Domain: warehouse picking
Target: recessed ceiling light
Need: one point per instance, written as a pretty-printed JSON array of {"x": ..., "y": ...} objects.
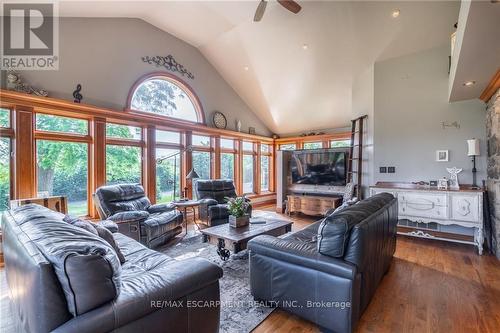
[
  {"x": 395, "y": 13},
  {"x": 246, "y": 68},
  {"x": 469, "y": 83},
  {"x": 305, "y": 47}
]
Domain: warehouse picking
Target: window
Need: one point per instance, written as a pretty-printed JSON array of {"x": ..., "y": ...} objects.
[
  {"x": 201, "y": 164},
  {"x": 313, "y": 145},
  {"x": 5, "y": 118},
  {"x": 168, "y": 137},
  {"x": 264, "y": 148},
  {"x": 123, "y": 132},
  {"x": 288, "y": 146},
  {"x": 168, "y": 175},
  {"x": 248, "y": 174},
  {"x": 247, "y": 146},
  {"x": 62, "y": 169},
  {"x": 200, "y": 140},
  {"x": 264, "y": 173},
  {"x": 4, "y": 173},
  {"x": 166, "y": 96},
  {"x": 123, "y": 164},
  {"x": 340, "y": 143},
  {"x": 227, "y": 166},
  {"x": 227, "y": 144},
  {"x": 49, "y": 123}
]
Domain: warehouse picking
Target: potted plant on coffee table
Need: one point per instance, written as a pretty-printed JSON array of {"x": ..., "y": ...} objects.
[{"x": 237, "y": 209}]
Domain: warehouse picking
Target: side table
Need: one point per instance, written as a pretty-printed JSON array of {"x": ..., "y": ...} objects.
[{"x": 183, "y": 206}]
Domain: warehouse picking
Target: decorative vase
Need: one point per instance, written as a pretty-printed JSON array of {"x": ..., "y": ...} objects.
[{"x": 237, "y": 222}]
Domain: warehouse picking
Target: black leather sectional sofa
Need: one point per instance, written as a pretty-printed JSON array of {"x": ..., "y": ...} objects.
[
  {"x": 63, "y": 278},
  {"x": 329, "y": 271}
]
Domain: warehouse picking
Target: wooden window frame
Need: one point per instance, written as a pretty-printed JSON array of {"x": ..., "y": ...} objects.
[{"x": 9, "y": 133}]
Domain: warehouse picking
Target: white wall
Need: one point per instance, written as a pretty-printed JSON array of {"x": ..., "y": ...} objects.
[
  {"x": 104, "y": 55},
  {"x": 411, "y": 101}
]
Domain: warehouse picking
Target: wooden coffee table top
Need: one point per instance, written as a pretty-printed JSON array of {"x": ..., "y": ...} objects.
[{"x": 244, "y": 233}]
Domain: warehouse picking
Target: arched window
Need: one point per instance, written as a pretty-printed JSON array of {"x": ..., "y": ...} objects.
[{"x": 166, "y": 95}]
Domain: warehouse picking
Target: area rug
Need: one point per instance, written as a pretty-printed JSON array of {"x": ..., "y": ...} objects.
[{"x": 239, "y": 312}]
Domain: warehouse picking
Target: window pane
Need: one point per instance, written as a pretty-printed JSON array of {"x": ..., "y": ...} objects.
[
  {"x": 227, "y": 166},
  {"x": 201, "y": 164},
  {"x": 247, "y": 174},
  {"x": 165, "y": 98},
  {"x": 168, "y": 175},
  {"x": 313, "y": 145},
  {"x": 62, "y": 169},
  {"x": 45, "y": 122},
  {"x": 123, "y": 164},
  {"x": 123, "y": 132},
  {"x": 264, "y": 173},
  {"x": 247, "y": 146},
  {"x": 168, "y": 136},
  {"x": 288, "y": 146},
  {"x": 4, "y": 173},
  {"x": 200, "y": 140},
  {"x": 264, "y": 148},
  {"x": 227, "y": 143},
  {"x": 340, "y": 143},
  {"x": 4, "y": 118}
]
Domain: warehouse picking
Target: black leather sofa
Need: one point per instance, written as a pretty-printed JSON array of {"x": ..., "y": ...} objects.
[
  {"x": 130, "y": 208},
  {"x": 63, "y": 278},
  {"x": 212, "y": 193},
  {"x": 328, "y": 272}
]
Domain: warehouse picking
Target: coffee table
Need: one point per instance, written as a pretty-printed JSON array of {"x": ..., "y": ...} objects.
[{"x": 228, "y": 238}]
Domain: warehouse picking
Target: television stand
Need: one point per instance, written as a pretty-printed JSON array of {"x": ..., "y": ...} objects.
[{"x": 311, "y": 204}]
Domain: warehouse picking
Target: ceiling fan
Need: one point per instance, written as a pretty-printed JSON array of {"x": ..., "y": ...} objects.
[{"x": 288, "y": 4}]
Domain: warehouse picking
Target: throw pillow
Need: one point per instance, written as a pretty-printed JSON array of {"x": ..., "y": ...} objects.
[
  {"x": 77, "y": 222},
  {"x": 108, "y": 237}
]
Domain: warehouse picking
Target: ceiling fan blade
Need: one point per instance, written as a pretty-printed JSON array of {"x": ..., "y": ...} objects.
[
  {"x": 260, "y": 11},
  {"x": 290, "y": 5}
]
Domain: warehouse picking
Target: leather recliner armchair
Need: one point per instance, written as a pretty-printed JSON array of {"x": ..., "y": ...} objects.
[
  {"x": 128, "y": 206},
  {"x": 212, "y": 193}
]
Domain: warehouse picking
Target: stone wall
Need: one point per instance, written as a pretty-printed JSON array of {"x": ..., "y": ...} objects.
[{"x": 493, "y": 182}]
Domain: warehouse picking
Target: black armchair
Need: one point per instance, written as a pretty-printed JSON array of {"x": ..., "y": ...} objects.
[
  {"x": 128, "y": 206},
  {"x": 212, "y": 193}
]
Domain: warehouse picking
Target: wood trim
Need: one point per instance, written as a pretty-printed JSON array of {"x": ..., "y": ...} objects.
[
  {"x": 24, "y": 154},
  {"x": 149, "y": 168},
  {"x": 99, "y": 153},
  {"x": 68, "y": 137},
  {"x": 126, "y": 142},
  {"x": 314, "y": 138},
  {"x": 491, "y": 88},
  {"x": 175, "y": 80},
  {"x": 264, "y": 203},
  {"x": 70, "y": 109},
  {"x": 215, "y": 141}
]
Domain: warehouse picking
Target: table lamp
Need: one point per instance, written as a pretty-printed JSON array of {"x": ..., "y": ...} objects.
[
  {"x": 473, "y": 150},
  {"x": 191, "y": 175}
]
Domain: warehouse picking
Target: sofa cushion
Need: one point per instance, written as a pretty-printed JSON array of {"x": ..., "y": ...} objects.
[
  {"x": 334, "y": 230},
  {"x": 160, "y": 223},
  {"x": 86, "y": 266}
]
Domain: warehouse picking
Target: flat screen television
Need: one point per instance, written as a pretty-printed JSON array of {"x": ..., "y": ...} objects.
[{"x": 320, "y": 167}]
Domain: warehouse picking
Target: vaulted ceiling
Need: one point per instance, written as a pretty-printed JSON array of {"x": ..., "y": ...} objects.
[{"x": 291, "y": 87}]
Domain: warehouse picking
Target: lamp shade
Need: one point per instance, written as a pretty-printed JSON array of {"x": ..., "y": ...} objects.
[
  {"x": 473, "y": 147},
  {"x": 192, "y": 175}
]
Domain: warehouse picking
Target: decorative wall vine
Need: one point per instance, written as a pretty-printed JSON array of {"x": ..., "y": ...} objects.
[{"x": 169, "y": 63}]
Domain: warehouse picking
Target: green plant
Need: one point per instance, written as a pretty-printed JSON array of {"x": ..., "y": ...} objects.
[{"x": 237, "y": 206}]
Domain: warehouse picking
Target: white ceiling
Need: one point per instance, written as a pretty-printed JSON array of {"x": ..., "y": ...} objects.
[
  {"x": 477, "y": 55},
  {"x": 289, "y": 88}
]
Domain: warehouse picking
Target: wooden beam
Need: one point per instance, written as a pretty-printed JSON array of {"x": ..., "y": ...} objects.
[
  {"x": 149, "y": 167},
  {"x": 98, "y": 154},
  {"x": 491, "y": 88}
]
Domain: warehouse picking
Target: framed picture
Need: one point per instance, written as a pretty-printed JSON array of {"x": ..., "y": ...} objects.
[{"x": 441, "y": 155}]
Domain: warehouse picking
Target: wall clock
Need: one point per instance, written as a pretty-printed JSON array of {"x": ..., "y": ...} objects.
[{"x": 219, "y": 120}]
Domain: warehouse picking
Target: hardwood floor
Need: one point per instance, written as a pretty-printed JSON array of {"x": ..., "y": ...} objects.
[{"x": 432, "y": 286}]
